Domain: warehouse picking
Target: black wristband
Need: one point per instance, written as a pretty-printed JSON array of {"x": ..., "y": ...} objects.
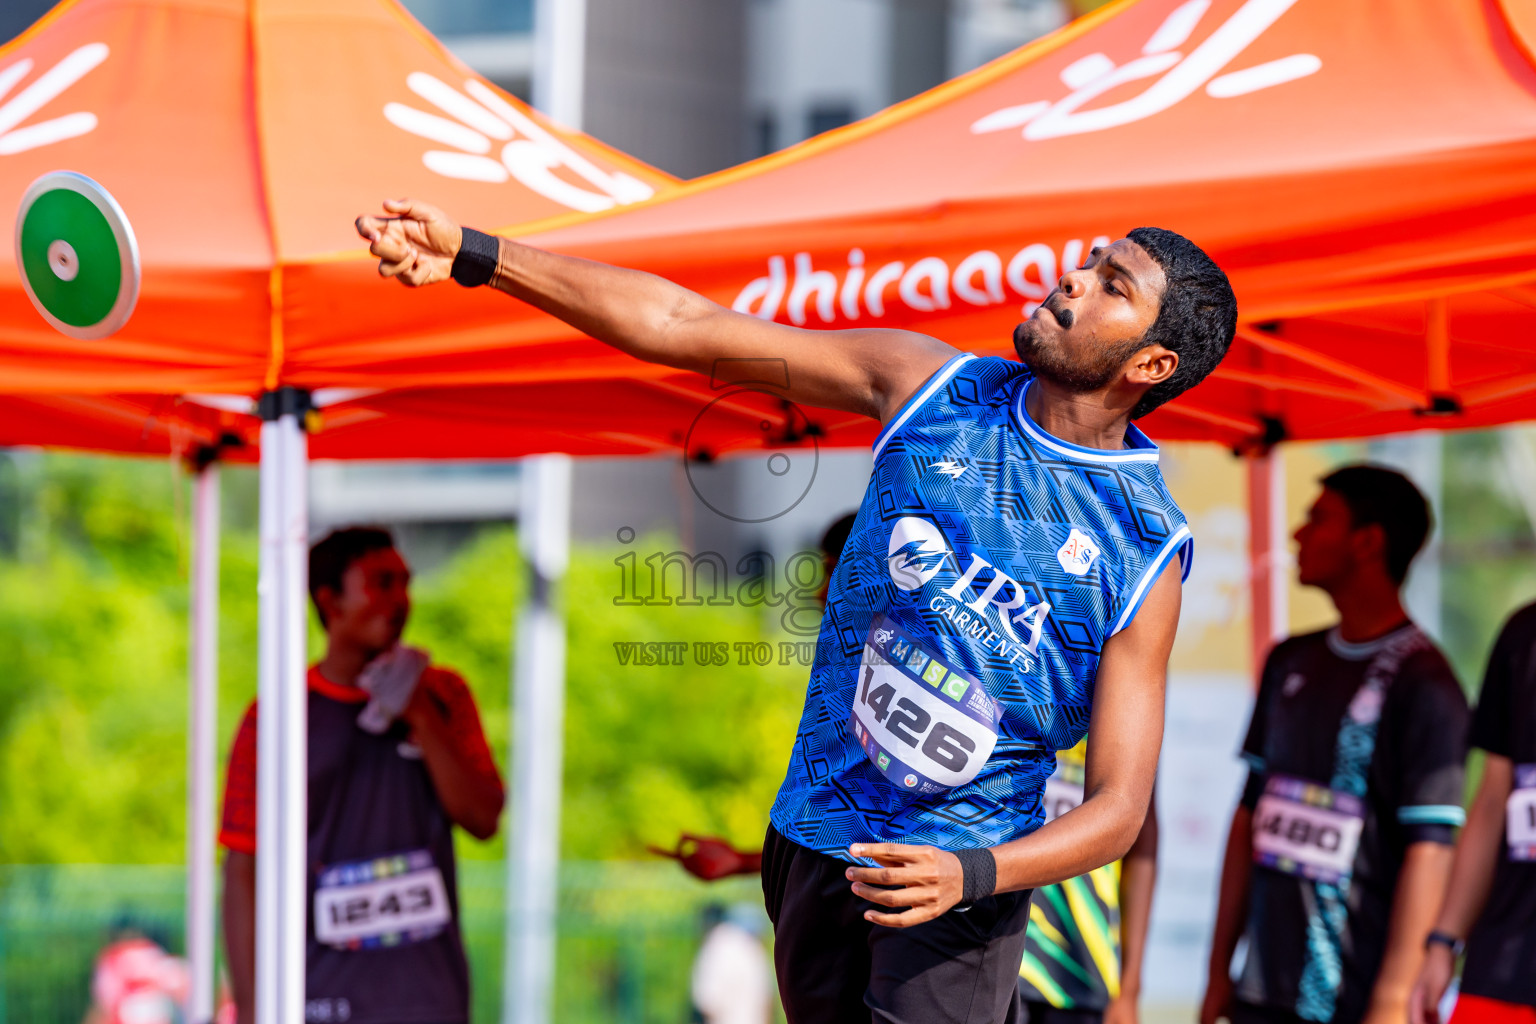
[
  {"x": 1450, "y": 942},
  {"x": 476, "y": 262},
  {"x": 979, "y": 869}
]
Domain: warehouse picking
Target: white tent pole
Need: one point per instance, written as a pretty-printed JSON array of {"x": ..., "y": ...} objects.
[
  {"x": 202, "y": 769},
  {"x": 268, "y": 724},
  {"x": 282, "y": 728},
  {"x": 559, "y": 60},
  {"x": 1268, "y": 568},
  {"x": 538, "y": 700}
]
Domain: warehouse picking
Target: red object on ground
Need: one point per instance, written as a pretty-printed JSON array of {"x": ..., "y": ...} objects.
[
  {"x": 712, "y": 859},
  {"x": 1477, "y": 1010}
]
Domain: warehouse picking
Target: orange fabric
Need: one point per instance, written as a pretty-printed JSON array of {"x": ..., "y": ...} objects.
[
  {"x": 241, "y": 137},
  {"x": 1472, "y": 1009},
  {"x": 1364, "y": 173},
  {"x": 237, "y": 828}
]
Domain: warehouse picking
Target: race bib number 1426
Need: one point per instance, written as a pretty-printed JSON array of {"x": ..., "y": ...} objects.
[{"x": 923, "y": 723}]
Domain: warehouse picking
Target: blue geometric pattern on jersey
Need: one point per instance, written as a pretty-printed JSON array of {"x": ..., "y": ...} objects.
[
  {"x": 1322, "y": 973},
  {"x": 1009, "y": 555}
]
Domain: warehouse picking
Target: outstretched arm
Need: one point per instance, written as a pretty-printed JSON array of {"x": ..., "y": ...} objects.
[
  {"x": 1125, "y": 735},
  {"x": 870, "y": 372}
]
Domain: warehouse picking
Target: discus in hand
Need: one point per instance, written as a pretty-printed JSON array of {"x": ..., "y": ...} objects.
[{"x": 77, "y": 255}]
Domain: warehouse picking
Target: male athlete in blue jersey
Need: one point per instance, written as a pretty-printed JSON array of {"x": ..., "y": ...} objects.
[{"x": 1011, "y": 584}]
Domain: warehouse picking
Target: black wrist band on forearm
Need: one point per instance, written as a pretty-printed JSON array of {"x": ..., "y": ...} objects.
[
  {"x": 979, "y": 869},
  {"x": 476, "y": 262},
  {"x": 1451, "y": 942}
]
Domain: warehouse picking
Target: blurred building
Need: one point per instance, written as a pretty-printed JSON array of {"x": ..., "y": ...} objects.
[{"x": 694, "y": 86}]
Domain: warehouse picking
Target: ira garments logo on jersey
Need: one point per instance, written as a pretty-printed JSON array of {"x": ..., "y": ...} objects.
[
  {"x": 1077, "y": 554},
  {"x": 1178, "y": 75},
  {"x": 981, "y": 602}
]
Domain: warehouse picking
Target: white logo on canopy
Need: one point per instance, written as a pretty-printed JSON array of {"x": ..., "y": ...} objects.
[
  {"x": 18, "y": 138},
  {"x": 1181, "y": 75},
  {"x": 529, "y": 153}
]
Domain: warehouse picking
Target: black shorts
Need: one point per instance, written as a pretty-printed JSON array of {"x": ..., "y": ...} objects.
[{"x": 834, "y": 967}]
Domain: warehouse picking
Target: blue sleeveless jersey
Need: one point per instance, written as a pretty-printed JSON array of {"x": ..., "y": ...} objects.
[{"x": 986, "y": 567}]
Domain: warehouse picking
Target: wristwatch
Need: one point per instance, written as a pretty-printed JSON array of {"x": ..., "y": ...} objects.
[{"x": 1450, "y": 942}]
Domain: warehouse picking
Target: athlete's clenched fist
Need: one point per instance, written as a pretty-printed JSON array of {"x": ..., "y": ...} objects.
[
  {"x": 928, "y": 881},
  {"x": 416, "y": 244}
]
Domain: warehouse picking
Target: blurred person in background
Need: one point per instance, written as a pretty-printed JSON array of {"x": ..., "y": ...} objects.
[
  {"x": 396, "y": 759},
  {"x": 1340, "y": 849},
  {"x": 1491, "y": 903},
  {"x": 732, "y": 980},
  {"x": 1087, "y": 936},
  {"x": 135, "y": 981}
]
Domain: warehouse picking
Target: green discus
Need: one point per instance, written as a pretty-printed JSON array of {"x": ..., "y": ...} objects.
[{"x": 77, "y": 255}]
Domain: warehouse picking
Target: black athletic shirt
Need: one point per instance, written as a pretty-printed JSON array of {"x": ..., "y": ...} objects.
[
  {"x": 1314, "y": 948},
  {"x": 1501, "y": 951}
]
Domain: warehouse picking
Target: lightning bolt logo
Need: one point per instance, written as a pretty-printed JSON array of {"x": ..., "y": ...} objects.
[
  {"x": 916, "y": 552},
  {"x": 949, "y": 468},
  {"x": 913, "y": 559}
]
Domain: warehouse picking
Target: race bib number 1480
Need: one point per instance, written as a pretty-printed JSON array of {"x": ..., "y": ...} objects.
[
  {"x": 1302, "y": 828},
  {"x": 923, "y": 723},
  {"x": 1520, "y": 815}
]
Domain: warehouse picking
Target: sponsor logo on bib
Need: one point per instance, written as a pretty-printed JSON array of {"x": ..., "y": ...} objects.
[{"x": 922, "y": 722}]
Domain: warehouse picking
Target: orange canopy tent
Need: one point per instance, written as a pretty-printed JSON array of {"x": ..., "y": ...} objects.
[
  {"x": 1366, "y": 180},
  {"x": 241, "y": 137},
  {"x": 1366, "y": 175}
]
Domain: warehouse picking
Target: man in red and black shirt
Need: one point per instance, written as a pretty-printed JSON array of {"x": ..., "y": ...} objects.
[{"x": 396, "y": 759}]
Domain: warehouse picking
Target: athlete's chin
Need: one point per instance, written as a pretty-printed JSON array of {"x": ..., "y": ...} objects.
[{"x": 1027, "y": 341}]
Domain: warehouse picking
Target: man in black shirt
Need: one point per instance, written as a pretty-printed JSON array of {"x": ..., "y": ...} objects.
[
  {"x": 1339, "y": 851},
  {"x": 1493, "y": 879}
]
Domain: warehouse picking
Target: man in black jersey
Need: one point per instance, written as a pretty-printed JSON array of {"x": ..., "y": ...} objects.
[
  {"x": 1492, "y": 898},
  {"x": 1339, "y": 852}
]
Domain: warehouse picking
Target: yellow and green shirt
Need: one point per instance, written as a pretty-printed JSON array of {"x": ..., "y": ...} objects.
[{"x": 1072, "y": 947}]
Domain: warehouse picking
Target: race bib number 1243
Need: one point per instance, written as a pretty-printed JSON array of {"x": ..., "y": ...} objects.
[
  {"x": 386, "y": 901},
  {"x": 923, "y": 723}
]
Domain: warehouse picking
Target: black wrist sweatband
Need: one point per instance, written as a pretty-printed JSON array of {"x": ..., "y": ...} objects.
[
  {"x": 476, "y": 262},
  {"x": 979, "y": 869}
]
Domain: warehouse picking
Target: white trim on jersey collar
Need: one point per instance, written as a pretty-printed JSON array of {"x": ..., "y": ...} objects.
[
  {"x": 938, "y": 380},
  {"x": 1351, "y": 651},
  {"x": 1139, "y": 447}
]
